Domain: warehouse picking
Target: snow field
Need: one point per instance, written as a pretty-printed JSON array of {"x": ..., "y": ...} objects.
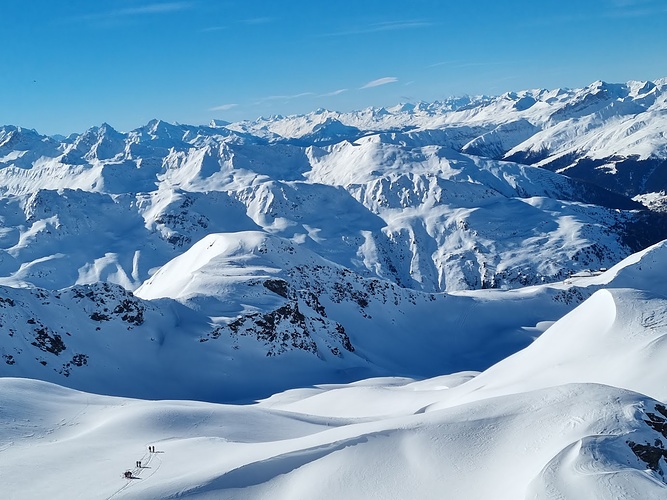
[{"x": 504, "y": 447}]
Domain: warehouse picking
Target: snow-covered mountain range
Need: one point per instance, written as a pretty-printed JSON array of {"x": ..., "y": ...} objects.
[
  {"x": 234, "y": 261},
  {"x": 609, "y": 134}
]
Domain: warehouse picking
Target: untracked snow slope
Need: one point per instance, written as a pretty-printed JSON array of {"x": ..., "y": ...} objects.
[
  {"x": 570, "y": 441},
  {"x": 579, "y": 413}
]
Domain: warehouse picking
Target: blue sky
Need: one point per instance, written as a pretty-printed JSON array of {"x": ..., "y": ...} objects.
[{"x": 69, "y": 65}]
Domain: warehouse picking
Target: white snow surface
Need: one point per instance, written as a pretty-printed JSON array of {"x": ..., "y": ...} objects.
[
  {"x": 419, "y": 194},
  {"x": 579, "y": 413},
  {"x": 558, "y": 430},
  {"x": 323, "y": 248},
  {"x": 386, "y": 304}
]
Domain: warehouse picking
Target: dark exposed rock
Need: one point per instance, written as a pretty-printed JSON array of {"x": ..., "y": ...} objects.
[
  {"x": 280, "y": 330},
  {"x": 344, "y": 338},
  {"x": 313, "y": 302},
  {"x": 278, "y": 286},
  {"x": 109, "y": 300},
  {"x": 178, "y": 240},
  {"x": 131, "y": 310},
  {"x": 79, "y": 360},
  {"x": 48, "y": 342},
  {"x": 284, "y": 329},
  {"x": 4, "y": 302},
  {"x": 649, "y": 454},
  {"x": 658, "y": 422},
  {"x": 570, "y": 296},
  {"x": 97, "y": 316},
  {"x": 652, "y": 453}
]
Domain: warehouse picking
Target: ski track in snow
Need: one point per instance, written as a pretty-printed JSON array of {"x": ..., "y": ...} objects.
[{"x": 138, "y": 472}]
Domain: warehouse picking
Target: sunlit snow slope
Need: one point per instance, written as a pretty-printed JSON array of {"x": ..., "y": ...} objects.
[{"x": 579, "y": 413}]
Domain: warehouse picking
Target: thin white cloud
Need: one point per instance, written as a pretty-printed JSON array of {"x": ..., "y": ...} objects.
[
  {"x": 384, "y": 26},
  {"x": 397, "y": 26},
  {"x": 154, "y": 8},
  {"x": 380, "y": 81},
  {"x": 258, "y": 20},
  {"x": 223, "y": 107},
  {"x": 140, "y": 10},
  {"x": 442, "y": 63},
  {"x": 213, "y": 28},
  {"x": 285, "y": 97},
  {"x": 335, "y": 92}
]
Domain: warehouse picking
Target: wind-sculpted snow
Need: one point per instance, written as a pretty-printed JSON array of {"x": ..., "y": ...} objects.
[
  {"x": 403, "y": 312},
  {"x": 573, "y": 441}
]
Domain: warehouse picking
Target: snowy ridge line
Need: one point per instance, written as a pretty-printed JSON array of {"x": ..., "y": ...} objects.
[{"x": 414, "y": 199}]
